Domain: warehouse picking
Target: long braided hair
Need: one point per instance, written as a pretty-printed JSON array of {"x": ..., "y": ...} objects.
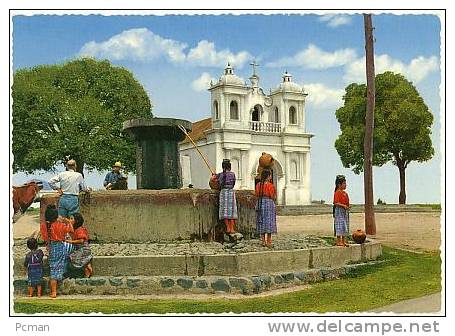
[
  {"x": 264, "y": 176},
  {"x": 338, "y": 181},
  {"x": 226, "y": 165},
  {"x": 50, "y": 216}
]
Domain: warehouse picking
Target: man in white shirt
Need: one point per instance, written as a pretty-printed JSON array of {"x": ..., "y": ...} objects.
[{"x": 68, "y": 184}]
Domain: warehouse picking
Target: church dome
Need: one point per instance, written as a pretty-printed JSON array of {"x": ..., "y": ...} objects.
[
  {"x": 288, "y": 85},
  {"x": 230, "y": 78}
]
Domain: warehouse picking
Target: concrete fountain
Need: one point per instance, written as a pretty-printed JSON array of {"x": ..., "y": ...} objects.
[{"x": 159, "y": 210}]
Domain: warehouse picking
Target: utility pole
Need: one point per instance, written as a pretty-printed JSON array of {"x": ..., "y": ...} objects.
[{"x": 370, "y": 225}]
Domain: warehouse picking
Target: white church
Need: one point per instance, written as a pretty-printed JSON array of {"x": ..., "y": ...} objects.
[{"x": 244, "y": 123}]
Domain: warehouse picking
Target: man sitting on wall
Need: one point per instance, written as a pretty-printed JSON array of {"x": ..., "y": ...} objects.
[{"x": 115, "y": 180}]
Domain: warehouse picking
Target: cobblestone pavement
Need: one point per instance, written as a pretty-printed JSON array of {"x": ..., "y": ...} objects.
[{"x": 282, "y": 242}]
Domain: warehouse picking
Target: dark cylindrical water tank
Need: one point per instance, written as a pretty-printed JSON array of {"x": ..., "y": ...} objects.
[{"x": 157, "y": 153}]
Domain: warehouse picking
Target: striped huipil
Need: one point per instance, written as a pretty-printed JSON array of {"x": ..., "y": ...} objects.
[
  {"x": 228, "y": 203},
  {"x": 341, "y": 215}
]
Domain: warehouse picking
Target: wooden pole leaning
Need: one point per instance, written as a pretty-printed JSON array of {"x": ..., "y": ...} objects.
[
  {"x": 212, "y": 230},
  {"x": 195, "y": 146}
]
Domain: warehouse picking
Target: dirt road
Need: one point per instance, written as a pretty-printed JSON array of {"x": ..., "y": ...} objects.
[
  {"x": 26, "y": 225},
  {"x": 407, "y": 230}
]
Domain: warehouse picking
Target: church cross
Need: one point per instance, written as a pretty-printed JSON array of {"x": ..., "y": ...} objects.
[{"x": 254, "y": 64}]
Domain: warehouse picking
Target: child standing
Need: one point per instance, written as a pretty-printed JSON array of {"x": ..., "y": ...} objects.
[
  {"x": 34, "y": 265},
  {"x": 341, "y": 210},
  {"x": 81, "y": 257},
  {"x": 266, "y": 209}
]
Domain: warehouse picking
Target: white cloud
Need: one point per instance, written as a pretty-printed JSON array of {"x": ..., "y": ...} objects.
[
  {"x": 334, "y": 20},
  {"x": 205, "y": 54},
  {"x": 315, "y": 58},
  {"x": 202, "y": 82},
  {"x": 141, "y": 44},
  {"x": 320, "y": 95},
  {"x": 417, "y": 69},
  {"x": 420, "y": 67},
  {"x": 136, "y": 44}
]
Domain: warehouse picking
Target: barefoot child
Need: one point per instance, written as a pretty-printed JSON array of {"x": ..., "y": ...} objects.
[
  {"x": 81, "y": 257},
  {"x": 34, "y": 265},
  {"x": 341, "y": 211}
]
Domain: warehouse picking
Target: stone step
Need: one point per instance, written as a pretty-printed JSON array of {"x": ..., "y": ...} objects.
[
  {"x": 228, "y": 264},
  {"x": 143, "y": 285}
]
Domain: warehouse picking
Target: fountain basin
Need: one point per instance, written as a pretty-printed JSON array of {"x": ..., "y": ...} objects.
[{"x": 157, "y": 215}]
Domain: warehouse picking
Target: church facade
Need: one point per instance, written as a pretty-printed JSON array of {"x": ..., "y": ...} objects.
[{"x": 244, "y": 123}]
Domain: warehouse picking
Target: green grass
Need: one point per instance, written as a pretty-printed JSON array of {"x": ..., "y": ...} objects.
[
  {"x": 435, "y": 206},
  {"x": 403, "y": 275}
]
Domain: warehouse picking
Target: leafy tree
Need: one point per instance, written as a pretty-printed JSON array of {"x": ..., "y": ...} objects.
[
  {"x": 402, "y": 126},
  {"x": 75, "y": 110}
]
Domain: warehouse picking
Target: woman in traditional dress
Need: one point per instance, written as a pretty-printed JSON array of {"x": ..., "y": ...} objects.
[
  {"x": 265, "y": 209},
  {"x": 341, "y": 209},
  {"x": 228, "y": 205},
  {"x": 81, "y": 257},
  {"x": 54, "y": 234}
]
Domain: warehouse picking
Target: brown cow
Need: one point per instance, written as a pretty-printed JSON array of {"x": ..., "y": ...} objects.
[{"x": 24, "y": 196}]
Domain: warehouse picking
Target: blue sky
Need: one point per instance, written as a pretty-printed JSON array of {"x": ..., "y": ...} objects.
[{"x": 175, "y": 56}]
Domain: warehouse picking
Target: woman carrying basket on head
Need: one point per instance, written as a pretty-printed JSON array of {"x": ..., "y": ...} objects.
[{"x": 266, "y": 209}]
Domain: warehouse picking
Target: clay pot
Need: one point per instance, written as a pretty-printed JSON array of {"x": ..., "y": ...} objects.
[
  {"x": 359, "y": 236},
  {"x": 213, "y": 183},
  {"x": 266, "y": 160}
]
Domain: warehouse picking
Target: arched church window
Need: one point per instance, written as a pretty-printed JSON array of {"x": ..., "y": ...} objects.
[
  {"x": 257, "y": 112},
  {"x": 276, "y": 115},
  {"x": 234, "y": 110},
  {"x": 292, "y": 116},
  {"x": 294, "y": 171},
  {"x": 215, "y": 109}
]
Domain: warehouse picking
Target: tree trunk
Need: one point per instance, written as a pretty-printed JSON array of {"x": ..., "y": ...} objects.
[
  {"x": 370, "y": 224},
  {"x": 80, "y": 167},
  {"x": 402, "y": 197}
]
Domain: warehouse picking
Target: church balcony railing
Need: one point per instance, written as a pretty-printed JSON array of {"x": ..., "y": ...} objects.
[{"x": 266, "y": 127}]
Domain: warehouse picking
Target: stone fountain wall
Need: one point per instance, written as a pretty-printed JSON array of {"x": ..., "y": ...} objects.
[{"x": 157, "y": 215}]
